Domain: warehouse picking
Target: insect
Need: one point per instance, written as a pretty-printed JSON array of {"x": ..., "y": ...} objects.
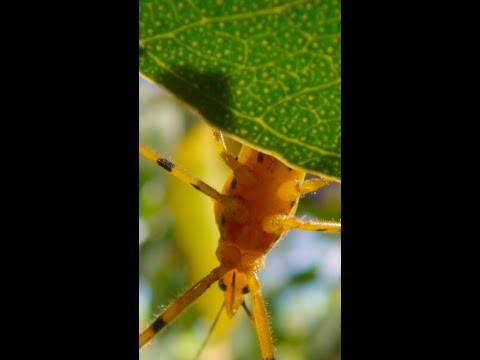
[{"x": 253, "y": 212}]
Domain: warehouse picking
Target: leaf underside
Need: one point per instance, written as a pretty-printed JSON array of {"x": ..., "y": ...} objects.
[{"x": 265, "y": 72}]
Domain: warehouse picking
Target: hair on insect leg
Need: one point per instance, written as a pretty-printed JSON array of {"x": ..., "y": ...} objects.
[
  {"x": 282, "y": 223},
  {"x": 179, "y": 305},
  {"x": 260, "y": 316}
]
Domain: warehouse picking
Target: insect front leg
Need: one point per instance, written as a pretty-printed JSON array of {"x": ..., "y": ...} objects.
[{"x": 243, "y": 173}]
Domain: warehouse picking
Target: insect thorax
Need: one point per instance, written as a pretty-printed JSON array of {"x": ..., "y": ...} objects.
[{"x": 243, "y": 243}]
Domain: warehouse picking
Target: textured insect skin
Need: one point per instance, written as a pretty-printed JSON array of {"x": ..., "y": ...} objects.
[{"x": 243, "y": 245}]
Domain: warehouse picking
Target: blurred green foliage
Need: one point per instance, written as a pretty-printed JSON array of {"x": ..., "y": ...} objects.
[{"x": 301, "y": 280}]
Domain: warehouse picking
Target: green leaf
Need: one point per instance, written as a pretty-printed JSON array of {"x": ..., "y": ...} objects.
[{"x": 265, "y": 72}]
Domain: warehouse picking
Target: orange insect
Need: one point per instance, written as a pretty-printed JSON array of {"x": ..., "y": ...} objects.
[{"x": 254, "y": 211}]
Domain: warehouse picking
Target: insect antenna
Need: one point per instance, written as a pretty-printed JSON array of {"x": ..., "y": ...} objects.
[
  {"x": 249, "y": 313},
  {"x": 210, "y": 332}
]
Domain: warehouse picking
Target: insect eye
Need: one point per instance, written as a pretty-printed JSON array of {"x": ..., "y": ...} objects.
[
  {"x": 245, "y": 290},
  {"x": 222, "y": 285}
]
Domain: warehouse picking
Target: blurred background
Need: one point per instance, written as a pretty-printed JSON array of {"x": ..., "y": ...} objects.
[{"x": 177, "y": 242}]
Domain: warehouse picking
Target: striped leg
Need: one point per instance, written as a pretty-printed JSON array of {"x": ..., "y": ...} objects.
[
  {"x": 179, "y": 173},
  {"x": 282, "y": 223},
  {"x": 230, "y": 205},
  {"x": 181, "y": 304}
]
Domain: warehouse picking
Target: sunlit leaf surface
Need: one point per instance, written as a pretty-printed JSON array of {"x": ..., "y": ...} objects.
[{"x": 266, "y": 72}]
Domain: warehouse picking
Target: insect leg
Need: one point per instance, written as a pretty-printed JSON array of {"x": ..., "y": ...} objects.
[
  {"x": 219, "y": 141},
  {"x": 242, "y": 172},
  {"x": 231, "y": 205},
  {"x": 282, "y": 223},
  {"x": 177, "y": 307},
  {"x": 260, "y": 316},
  {"x": 292, "y": 190},
  {"x": 180, "y": 174}
]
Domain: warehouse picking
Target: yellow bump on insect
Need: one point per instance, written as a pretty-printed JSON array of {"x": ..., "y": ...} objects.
[
  {"x": 253, "y": 212},
  {"x": 291, "y": 190}
]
